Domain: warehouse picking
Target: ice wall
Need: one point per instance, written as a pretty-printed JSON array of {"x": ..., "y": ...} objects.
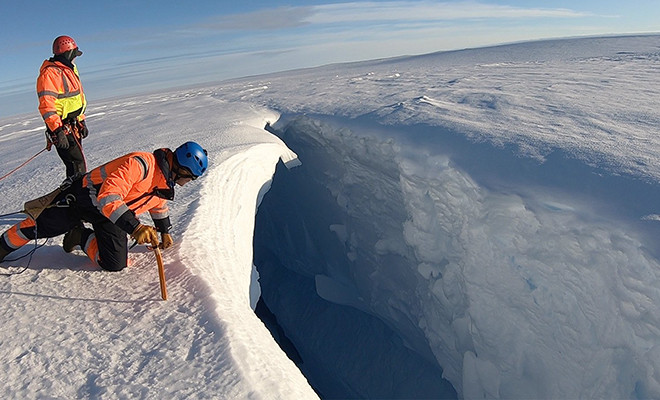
[
  {"x": 344, "y": 351},
  {"x": 519, "y": 291}
]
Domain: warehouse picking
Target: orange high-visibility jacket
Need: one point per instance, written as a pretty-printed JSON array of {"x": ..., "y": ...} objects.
[
  {"x": 60, "y": 93},
  {"x": 126, "y": 187}
]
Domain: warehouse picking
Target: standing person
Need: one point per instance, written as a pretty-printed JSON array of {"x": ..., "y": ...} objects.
[
  {"x": 62, "y": 104},
  {"x": 110, "y": 198}
]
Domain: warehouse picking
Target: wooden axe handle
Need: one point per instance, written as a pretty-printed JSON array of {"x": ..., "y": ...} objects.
[{"x": 161, "y": 273}]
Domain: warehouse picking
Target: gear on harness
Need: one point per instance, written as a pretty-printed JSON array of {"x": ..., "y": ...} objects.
[
  {"x": 34, "y": 208},
  {"x": 71, "y": 128}
]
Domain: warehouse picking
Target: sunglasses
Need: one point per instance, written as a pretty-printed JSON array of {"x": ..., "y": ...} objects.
[{"x": 186, "y": 173}]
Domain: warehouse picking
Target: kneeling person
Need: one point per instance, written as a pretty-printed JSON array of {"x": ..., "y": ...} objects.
[{"x": 110, "y": 198}]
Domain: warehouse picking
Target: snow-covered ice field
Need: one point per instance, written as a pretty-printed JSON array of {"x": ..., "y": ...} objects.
[{"x": 495, "y": 207}]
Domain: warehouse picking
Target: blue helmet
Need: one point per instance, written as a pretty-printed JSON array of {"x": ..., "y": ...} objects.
[{"x": 193, "y": 157}]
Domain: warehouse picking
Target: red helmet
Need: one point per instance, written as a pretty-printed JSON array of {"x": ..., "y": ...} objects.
[{"x": 62, "y": 44}]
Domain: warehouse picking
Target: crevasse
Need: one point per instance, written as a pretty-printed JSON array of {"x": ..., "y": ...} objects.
[{"x": 514, "y": 289}]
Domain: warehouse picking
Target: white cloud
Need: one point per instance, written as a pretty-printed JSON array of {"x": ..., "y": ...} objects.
[
  {"x": 265, "y": 19},
  {"x": 426, "y": 11},
  {"x": 366, "y": 12}
]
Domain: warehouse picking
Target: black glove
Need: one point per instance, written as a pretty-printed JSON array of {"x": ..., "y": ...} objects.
[
  {"x": 82, "y": 129},
  {"x": 59, "y": 138}
]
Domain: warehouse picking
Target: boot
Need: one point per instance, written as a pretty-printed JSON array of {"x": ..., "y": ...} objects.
[{"x": 74, "y": 238}]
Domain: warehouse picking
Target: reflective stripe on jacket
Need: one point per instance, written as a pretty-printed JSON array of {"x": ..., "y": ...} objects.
[
  {"x": 60, "y": 93},
  {"x": 125, "y": 187}
]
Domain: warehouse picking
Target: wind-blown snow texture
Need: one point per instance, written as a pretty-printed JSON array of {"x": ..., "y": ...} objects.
[{"x": 496, "y": 208}]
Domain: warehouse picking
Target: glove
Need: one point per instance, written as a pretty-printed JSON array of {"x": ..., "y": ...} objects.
[
  {"x": 166, "y": 241},
  {"x": 82, "y": 129},
  {"x": 144, "y": 234},
  {"x": 59, "y": 138}
]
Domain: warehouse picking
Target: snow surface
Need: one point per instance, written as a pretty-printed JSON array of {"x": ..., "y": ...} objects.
[
  {"x": 496, "y": 208},
  {"x": 71, "y": 330}
]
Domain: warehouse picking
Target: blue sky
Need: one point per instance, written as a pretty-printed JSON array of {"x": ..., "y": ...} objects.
[{"x": 132, "y": 47}]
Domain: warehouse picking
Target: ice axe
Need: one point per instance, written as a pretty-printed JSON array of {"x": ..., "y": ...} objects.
[
  {"x": 161, "y": 273},
  {"x": 161, "y": 268}
]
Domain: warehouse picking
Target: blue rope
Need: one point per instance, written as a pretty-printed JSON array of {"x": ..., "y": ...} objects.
[{"x": 29, "y": 254}]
